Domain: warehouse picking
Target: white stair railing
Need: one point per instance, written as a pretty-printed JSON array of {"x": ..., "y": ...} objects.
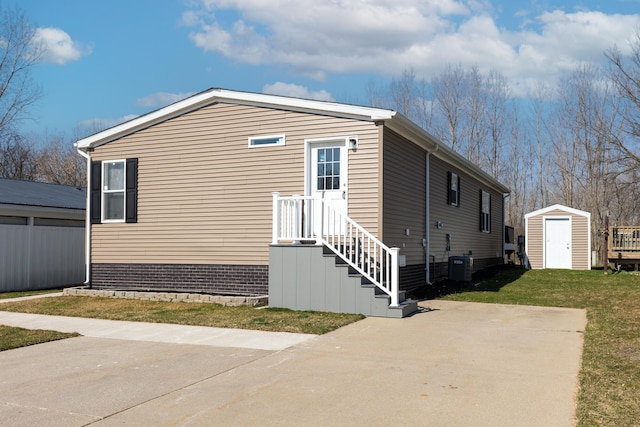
[{"x": 299, "y": 219}]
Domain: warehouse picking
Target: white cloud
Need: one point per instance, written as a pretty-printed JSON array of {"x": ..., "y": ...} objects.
[
  {"x": 296, "y": 91},
  {"x": 387, "y": 36},
  {"x": 57, "y": 46},
  {"x": 161, "y": 99}
]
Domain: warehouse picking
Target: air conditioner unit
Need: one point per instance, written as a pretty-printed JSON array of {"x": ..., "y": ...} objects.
[{"x": 460, "y": 268}]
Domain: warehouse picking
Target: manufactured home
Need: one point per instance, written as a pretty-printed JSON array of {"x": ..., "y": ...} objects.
[{"x": 241, "y": 193}]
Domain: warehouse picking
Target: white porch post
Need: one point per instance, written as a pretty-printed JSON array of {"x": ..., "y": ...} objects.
[
  {"x": 276, "y": 219},
  {"x": 395, "y": 297},
  {"x": 319, "y": 201}
]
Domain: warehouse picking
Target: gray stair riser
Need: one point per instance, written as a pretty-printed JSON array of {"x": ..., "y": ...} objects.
[{"x": 342, "y": 288}]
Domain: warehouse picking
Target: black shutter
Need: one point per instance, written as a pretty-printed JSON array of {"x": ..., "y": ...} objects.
[
  {"x": 489, "y": 215},
  {"x": 458, "y": 198},
  {"x": 95, "y": 192},
  {"x": 131, "y": 187},
  {"x": 481, "y": 213},
  {"x": 449, "y": 198}
]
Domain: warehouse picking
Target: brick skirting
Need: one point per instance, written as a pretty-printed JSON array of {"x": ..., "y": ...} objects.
[{"x": 196, "y": 278}]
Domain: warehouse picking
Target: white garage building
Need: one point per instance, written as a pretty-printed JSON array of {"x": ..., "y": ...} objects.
[{"x": 41, "y": 235}]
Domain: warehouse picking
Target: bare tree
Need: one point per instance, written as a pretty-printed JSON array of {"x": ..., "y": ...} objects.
[
  {"x": 474, "y": 123},
  {"x": 497, "y": 116},
  {"x": 403, "y": 92},
  {"x": 19, "y": 53},
  {"x": 448, "y": 88},
  {"x": 18, "y": 159},
  {"x": 625, "y": 75},
  {"x": 540, "y": 123},
  {"x": 59, "y": 163}
]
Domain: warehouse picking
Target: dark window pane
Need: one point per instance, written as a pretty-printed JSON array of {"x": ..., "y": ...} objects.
[
  {"x": 321, "y": 156},
  {"x": 320, "y": 183},
  {"x": 336, "y": 168},
  {"x": 320, "y": 169},
  {"x": 329, "y": 156},
  {"x": 336, "y": 154},
  {"x": 114, "y": 205},
  {"x": 329, "y": 169},
  {"x": 336, "y": 183}
]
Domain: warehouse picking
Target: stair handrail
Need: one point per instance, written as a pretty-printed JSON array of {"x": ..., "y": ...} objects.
[{"x": 294, "y": 220}]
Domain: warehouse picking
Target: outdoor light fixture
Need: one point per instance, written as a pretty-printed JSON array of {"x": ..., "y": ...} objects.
[{"x": 353, "y": 143}]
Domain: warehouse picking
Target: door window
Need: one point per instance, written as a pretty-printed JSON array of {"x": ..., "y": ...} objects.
[{"x": 328, "y": 165}]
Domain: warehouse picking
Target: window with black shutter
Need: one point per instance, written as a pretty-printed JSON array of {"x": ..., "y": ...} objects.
[{"x": 114, "y": 191}]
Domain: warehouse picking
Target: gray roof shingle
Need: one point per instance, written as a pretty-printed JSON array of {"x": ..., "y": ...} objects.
[{"x": 27, "y": 193}]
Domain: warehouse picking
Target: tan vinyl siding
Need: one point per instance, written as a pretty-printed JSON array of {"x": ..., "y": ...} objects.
[
  {"x": 204, "y": 197},
  {"x": 535, "y": 241},
  {"x": 580, "y": 257},
  {"x": 404, "y": 196},
  {"x": 463, "y": 221}
]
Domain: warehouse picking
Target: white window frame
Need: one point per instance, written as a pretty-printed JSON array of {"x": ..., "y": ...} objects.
[
  {"x": 485, "y": 213},
  {"x": 103, "y": 191},
  {"x": 279, "y": 141}
]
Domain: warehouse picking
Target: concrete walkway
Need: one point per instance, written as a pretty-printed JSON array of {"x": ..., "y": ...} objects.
[{"x": 455, "y": 364}]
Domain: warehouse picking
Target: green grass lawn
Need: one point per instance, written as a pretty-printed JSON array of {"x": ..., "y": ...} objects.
[
  {"x": 183, "y": 313},
  {"x": 7, "y": 295},
  {"x": 11, "y": 338},
  {"x": 609, "y": 392}
]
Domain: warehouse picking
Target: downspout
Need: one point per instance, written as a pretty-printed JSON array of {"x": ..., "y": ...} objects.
[
  {"x": 87, "y": 227},
  {"x": 427, "y": 240}
]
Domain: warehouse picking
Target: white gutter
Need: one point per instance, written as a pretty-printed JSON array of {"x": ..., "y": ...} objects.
[
  {"x": 427, "y": 243},
  {"x": 87, "y": 227}
]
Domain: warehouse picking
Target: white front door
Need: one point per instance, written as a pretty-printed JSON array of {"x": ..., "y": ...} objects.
[
  {"x": 557, "y": 248},
  {"x": 328, "y": 178}
]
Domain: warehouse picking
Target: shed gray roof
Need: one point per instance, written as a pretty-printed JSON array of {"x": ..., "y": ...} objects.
[{"x": 27, "y": 193}]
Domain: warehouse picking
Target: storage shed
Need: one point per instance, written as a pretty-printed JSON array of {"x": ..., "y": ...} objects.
[
  {"x": 41, "y": 235},
  {"x": 558, "y": 237}
]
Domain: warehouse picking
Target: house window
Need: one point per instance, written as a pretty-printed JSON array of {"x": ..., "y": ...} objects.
[
  {"x": 485, "y": 212},
  {"x": 265, "y": 141},
  {"x": 453, "y": 191},
  {"x": 114, "y": 191}
]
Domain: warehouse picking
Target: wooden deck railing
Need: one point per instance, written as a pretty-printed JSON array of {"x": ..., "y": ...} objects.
[{"x": 624, "y": 242}]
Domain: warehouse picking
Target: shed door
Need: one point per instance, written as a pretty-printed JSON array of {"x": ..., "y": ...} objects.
[
  {"x": 328, "y": 170},
  {"x": 557, "y": 248}
]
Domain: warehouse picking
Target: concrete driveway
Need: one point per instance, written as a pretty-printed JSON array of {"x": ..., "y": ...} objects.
[{"x": 457, "y": 364}]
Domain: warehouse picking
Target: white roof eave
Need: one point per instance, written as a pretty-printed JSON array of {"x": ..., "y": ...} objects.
[
  {"x": 551, "y": 208},
  {"x": 245, "y": 98}
]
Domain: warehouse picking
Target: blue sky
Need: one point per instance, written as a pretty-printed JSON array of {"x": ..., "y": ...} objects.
[{"x": 110, "y": 60}]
